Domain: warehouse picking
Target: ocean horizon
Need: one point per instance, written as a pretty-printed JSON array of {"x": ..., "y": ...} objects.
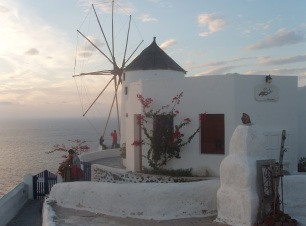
[{"x": 24, "y": 143}]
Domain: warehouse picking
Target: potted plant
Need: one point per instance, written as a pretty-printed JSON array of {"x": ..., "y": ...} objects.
[{"x": 123, "y": 153}]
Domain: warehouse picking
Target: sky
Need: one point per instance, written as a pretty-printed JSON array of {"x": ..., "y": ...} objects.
[{"x": 40, "y": 48}]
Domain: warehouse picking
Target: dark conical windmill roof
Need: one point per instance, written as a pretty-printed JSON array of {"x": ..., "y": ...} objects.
[{"x": 153, "y": 58}]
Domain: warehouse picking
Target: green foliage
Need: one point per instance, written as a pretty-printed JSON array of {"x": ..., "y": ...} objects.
[
  {"x": 169, "y": 172},
  {"x": 302, "y": 165},
  {"x": 123, "y": 150}
]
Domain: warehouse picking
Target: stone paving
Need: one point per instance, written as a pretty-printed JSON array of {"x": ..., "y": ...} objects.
[
  {"x": 29, "y": 215},
  {"x": 68, "y": 216},
  {"x": 114, "y": 162}
]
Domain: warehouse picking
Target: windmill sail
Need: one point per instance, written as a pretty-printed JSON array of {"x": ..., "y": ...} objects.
[{"x": 109, "y": 55}]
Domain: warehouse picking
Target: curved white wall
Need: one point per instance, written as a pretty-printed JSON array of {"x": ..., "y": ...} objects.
[
  {"x": 12, "y": 202},
  {"x": 133, "y": 76}
]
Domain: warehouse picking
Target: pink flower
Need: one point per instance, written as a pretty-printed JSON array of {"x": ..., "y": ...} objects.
[
  {"x": 177, "y": 98},
  {"x": 187, "y": 120},
  {"x": 176, "y": 134},
  {"x": 84, "y": 148},
  {"x": 145, "y": 102},
  {"x": 203, "y": 117},
  {"x": 140, "y": 118},
  {"x": 137, "y": 142}
]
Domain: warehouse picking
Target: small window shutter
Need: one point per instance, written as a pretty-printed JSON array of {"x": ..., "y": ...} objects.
[{"x": 212, "y": 134}]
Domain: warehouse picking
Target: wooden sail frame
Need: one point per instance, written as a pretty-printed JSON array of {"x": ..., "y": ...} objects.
[{"x": 116, "y": 71}]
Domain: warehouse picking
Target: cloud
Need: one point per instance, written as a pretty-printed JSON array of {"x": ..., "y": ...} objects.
[
  {"x": 95, "y": 41},
  {"x": 147, "y": 18},
  {"x": 196, "y": 52},
  {"x": 162, "y": 3},
  {"x": 5, "y": 103},
  {"x": 191, "y": 65},
  {"x": 121, "y": 7},
  {"x": 24, "y": 33},
  {"x": 31, "y": 52},
  {"x": 264, "y": 26},
  {"x": 86, "y": 50},
  {"x": 280, "y": 71},
  {"x": 84, "y": 54},
  {"x": 268, "y": 61},
  {"x": 212, "y": 22},
  {"x": 280, "y": 38},
  {"x": 165, "y": 45},
  {"x": 217, "y": 71},
  {"x": 4, "y": 9}
]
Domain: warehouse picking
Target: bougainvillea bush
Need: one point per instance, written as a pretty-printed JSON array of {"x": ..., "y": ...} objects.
[
  {"x": 164, "y": 139},
  {"x": 79, "y": 146}
]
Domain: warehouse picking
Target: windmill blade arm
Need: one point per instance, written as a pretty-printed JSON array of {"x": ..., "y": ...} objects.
[
  {"x": 102, "y": 31},
  {"x": 106, "y": 72},
  {"x": 116, "y": 89},
  {"x": 109, "y": 114},
  {"x": 126, "y": 44},
  {"x": 98, "y": 96},
  {"x": 95, "y": 46},
  {"x": 113, "y": 44},
  {"x": 133, "y": 52}
]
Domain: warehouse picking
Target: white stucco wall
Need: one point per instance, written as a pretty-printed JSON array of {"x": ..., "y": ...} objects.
[
  {"x": 12, "y": 202},
  {"x": 91, "y": 156},
  {"x": 272, "y": 117},
  {"x": 230, "y": 95},
  {"x": 199, "y": 95},
  {"x": 132, "y": 108},
  {"x": 302, "y": 121},
  {"x": 133, "y": 76},
  {"x": 158, "y": 201},
  {"x": 237, "y": 197}
]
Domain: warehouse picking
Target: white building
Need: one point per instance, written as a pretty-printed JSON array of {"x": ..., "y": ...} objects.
[{"x": 272, "y": 106}]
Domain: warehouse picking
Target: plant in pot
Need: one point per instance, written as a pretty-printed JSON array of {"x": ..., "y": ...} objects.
[{"x": 123, "y": 153}]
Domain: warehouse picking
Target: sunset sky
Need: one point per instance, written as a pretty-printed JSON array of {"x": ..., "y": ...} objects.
[{"x": 40, "y": 49}]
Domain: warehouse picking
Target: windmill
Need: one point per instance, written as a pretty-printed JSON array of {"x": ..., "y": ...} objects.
[{"x": 116, "y": 71}]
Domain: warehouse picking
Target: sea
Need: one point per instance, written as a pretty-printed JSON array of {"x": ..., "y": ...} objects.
[{"x": 24, "y": 143}]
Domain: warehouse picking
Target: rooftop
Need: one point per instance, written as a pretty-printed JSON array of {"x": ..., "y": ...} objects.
[{"x": 153, "y": 58}]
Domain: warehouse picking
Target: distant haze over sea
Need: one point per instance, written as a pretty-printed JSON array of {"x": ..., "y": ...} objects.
[{"x": 25, "y": 141}]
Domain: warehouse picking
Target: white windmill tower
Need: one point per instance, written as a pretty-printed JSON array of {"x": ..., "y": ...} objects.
[{"x": 151, "y": 63}]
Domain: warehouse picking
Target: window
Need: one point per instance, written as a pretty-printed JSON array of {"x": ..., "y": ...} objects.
[
  {"x": 212, "y": 134},
  {"x": 162, "y": 128},
  {"x": 123, "y": 76},
  {"x": 125, "y": 90}
]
